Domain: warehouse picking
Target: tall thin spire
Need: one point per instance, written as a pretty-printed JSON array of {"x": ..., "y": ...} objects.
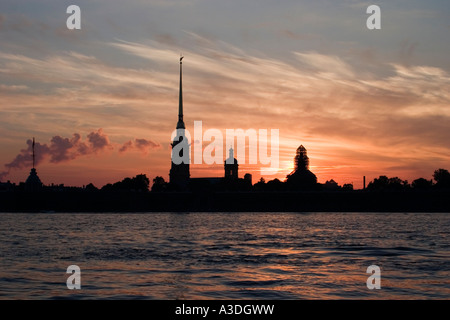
[
  {"x": 179, "y": 170},
  {"x": 33, "y": 152},
  {"x": 180, "y": 124}
]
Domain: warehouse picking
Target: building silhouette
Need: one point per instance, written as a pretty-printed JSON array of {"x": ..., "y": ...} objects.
[
  {"x": 248, "y": 178},
  {"x": 179, "y": 171},
  {"x": 179, "y": 175},
  {"x": 301, "y": 177},
  {"x": 231, "y": 166},
  {"x": 33, "y": 183}
]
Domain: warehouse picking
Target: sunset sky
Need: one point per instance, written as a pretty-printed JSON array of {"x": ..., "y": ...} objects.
[{"x": 102, "y": 101}]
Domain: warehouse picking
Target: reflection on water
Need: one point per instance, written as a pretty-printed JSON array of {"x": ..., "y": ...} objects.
[{"x": 225, "y": 255}]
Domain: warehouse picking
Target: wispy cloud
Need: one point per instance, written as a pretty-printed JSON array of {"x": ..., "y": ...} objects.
[
  {"x": 323, "y": 97},
  {"x": 318, "y": 99},
  {"x": 327, "y": 64}
]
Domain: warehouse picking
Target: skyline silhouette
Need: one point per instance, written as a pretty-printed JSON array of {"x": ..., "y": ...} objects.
[
  {"x": 207, "y": 152},
  {"x": 363, "y": 102},
  {"x": 301, "y": 178}
]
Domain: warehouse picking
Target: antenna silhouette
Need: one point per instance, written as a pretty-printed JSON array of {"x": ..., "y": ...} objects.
[{"x": 33, "y": 152}]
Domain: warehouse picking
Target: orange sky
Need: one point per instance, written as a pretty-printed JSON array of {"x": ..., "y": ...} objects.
[{"x": 362, "y": 103}]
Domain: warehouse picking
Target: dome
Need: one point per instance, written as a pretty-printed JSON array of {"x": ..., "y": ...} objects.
[
  {"x": 33, "y": 182},
  {"x": 231, "y": 161},
  {"x": 301, "y": 177}
]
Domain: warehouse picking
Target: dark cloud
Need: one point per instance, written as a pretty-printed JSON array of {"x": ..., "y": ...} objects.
[
  {"x": 25, "y": 158},
  {"x": 3, "y": 174},
  {"x": 143, "y": 145},
  {"x": 126, "y": 146},
  {"x": 146, "y": 144},
  {"x": 60, "y": 149},
  {"x": 99, "y": 140}
]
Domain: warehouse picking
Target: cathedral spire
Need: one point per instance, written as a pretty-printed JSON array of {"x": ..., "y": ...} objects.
[
  {"x": 180, "y": 124},
  {"x": 179, "y": 170}
]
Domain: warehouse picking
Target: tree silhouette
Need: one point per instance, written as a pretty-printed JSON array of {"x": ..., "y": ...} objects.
[
  {"x": 389, "y": 184},
  {"x": 331, "y": 185},
  {"x": 260, "y": 185},
  {"x": 138, "y": 183},
  {"x": 422, "y": 184},
  {"x": 159, "y": 184},
  {"x": 442, "y": 178},
  {"x": 274, "y": 185},
  {"x": 347, "y": 187},
  {"x": 91, "y": 187}
]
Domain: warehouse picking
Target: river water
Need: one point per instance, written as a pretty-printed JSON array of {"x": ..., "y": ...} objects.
[{"x": 225, "y": 255}]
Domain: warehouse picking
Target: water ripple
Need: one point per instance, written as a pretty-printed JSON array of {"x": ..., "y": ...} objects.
[{"x": 225, "y": 255}]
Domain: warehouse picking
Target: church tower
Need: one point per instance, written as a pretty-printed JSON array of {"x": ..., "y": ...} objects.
[
  {"x": 231, "y": 166},
  {"x": 179, "y": 171}
]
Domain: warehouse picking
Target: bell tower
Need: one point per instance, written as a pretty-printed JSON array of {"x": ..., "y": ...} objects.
[{"x": 231, "y": 166}]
